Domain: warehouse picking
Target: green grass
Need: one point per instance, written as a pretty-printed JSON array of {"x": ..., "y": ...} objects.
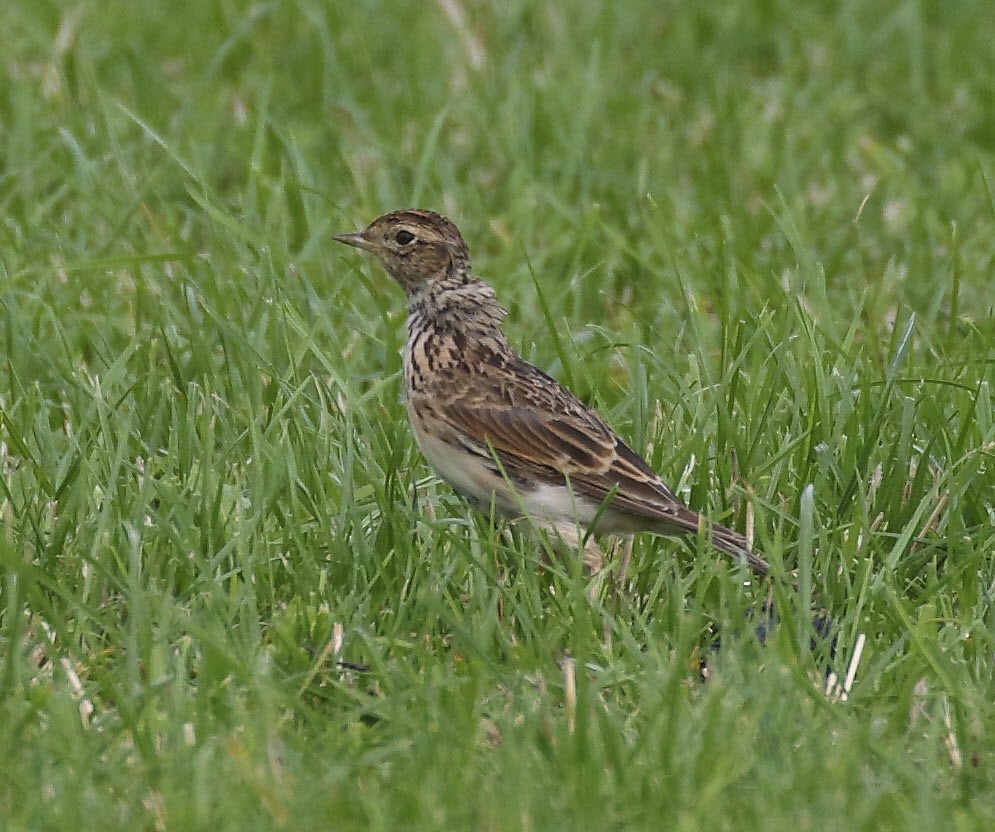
[{"x": 764, "y": 233}]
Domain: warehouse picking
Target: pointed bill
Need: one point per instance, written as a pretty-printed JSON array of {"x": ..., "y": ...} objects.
[{"x": 357, "y": 239}]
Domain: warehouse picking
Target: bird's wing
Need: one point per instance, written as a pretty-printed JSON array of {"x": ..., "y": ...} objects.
[{"x": 537, "y": 441}]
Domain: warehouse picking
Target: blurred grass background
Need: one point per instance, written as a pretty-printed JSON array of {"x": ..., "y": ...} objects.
[{"x": 764, "y": 232}]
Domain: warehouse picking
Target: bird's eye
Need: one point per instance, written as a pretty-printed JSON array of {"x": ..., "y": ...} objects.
[{"x": 404, "y": 237}]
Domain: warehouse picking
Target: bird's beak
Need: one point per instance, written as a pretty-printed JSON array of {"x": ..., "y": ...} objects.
[{"x": 356, "y": 239}]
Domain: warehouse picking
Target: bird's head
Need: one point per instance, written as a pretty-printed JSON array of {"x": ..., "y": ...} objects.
[{"x": 419, "y": 249}]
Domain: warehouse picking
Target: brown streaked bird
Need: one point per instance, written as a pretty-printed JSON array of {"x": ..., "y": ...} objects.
[{"x": 499, "y": 430}]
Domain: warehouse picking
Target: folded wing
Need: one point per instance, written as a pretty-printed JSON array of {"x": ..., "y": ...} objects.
[{"x": 532, "y": 443}]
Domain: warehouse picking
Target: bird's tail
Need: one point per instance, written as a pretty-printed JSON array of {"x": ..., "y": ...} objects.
[{"x": 734, "y": 544}]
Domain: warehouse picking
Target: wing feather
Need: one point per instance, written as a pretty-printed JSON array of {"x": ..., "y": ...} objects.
[{"x": 534, "y": 443}]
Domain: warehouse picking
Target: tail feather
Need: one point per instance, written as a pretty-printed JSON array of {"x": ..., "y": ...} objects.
[
  {"x": 734, "y": 544},
  {"x": 687, "y": 522}
]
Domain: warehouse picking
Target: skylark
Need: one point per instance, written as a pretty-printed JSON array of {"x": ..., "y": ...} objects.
[{"x": 500, "y": 431}]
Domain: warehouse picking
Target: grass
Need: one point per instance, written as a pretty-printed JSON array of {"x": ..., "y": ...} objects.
[{"x": 759, "y": 236}]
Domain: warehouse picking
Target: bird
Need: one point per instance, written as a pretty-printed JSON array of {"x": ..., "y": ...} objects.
[{"x": 504, "y": 434}]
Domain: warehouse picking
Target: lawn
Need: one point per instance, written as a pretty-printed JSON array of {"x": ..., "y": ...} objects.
[{"x": 758, "y": 236}]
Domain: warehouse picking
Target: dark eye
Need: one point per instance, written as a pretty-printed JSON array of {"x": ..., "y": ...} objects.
[{"x": 404, "y": 237}]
